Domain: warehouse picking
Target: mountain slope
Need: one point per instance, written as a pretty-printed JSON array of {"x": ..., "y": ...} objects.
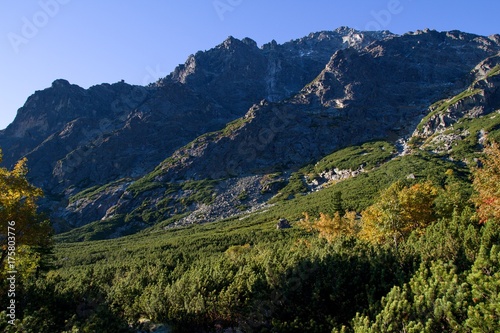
[
  {"x": 381, "y": 91},
  {"x": 78, "y": 138},
  {"x": 460, "y": 124}
]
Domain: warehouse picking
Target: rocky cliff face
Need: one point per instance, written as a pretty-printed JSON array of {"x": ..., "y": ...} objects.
[
  {"x": 86, "y": 137},
  {"x": 480, "y": 98},
  {"x": 251, "y": 111},
  {"x": 378, "y": 92},
  {"x": 273, "y": 72}
]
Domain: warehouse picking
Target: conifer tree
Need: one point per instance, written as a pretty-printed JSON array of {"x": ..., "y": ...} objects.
[
  {"x": 337, "y": 203},
  {"x": 484, "y": 314}
]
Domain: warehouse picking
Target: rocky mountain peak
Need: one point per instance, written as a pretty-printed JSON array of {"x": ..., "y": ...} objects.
[
  {"x": 272, "y": 45},
  {"x": 233, "y": 44},
  {"x": 230, "y": 42},
  {"x": 343, "y": 37},
  {"x": 249, "y": 42},
  {"x": 406, "y": 73},
  {"x": 495, "y": 38},
  {"x": 44, "y": 108},
  {"x": 60, "y": 83},
  {"x": 344, "y": 30}
]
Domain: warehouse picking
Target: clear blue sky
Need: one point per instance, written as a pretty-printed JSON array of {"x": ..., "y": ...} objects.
[{"x": 91, "y": 42}]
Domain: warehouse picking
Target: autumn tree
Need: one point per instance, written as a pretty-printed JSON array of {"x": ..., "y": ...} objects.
[
  {"x": 487, "y": 185},
  {"x": 22, "y": 228},
  {"x": 331, "y": 228},
  {"x": 398, "y": 211}
]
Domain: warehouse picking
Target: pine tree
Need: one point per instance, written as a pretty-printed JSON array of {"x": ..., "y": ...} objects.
[
  {"x": 435, "y": 300},
  {"x": 484, "y": 314},
  {"x": 337, "y": 203}
]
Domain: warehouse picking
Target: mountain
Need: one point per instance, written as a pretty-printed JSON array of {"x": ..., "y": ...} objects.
[
  {"x": 379, "y": 92},
  {"x": 224, "y": 132},
  {"x": 94, "y": 125}
]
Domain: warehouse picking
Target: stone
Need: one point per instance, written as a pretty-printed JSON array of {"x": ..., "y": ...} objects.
[{"x": 283, "y": 224}]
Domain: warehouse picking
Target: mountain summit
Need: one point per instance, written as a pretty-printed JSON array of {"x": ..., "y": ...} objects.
[{"x": 229, "y": 118}]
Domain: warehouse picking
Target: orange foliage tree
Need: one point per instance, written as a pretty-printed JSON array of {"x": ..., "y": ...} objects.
[{"x": 487, "y": 185}]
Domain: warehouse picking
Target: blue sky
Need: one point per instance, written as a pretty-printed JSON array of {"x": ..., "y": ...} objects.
[{"x": 91, "y": 42}]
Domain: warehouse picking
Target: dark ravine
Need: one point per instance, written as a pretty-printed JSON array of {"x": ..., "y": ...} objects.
[{"x": 248, "y": 112}]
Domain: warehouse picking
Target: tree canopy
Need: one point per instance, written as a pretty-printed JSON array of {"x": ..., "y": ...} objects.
[
  {"x": 398, "y": 211},
  {"x": 19, "y": 218},
  {"x": 487, "y": 185}
]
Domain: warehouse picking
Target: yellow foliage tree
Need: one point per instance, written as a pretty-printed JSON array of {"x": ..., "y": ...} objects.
[
  {"x": 487, "y": 185},
  {"x": 417, "y": 206},
  {"x": 399, "y": 211},
  {"x": 23, "y": 232},
  {"x": 331, "y": 228}
]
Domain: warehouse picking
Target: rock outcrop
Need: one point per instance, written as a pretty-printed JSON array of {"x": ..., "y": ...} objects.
[{"x": 480, "y": 98}]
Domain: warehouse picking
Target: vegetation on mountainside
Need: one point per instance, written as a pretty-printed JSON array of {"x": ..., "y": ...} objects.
[
  {"x": 368, "y": 156},
  {"x": 471, "y": 132},
  {"x": 494, "y": 71},
  {"x": 358, "y": 192},
  {"x": 94, "y": 191},
  {"x": 176, "y": 198},
  {"x": 329, "y": 272}
]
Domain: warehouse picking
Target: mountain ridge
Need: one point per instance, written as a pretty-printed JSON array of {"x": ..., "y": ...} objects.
[{"x": 258, "y": 110}]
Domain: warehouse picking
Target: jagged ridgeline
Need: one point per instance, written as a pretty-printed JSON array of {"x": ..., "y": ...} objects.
[
  {"x": 239, "y": 118},
  {"x": 350, "y": 180}
]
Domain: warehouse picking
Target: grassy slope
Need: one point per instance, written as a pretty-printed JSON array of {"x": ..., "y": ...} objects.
[
  {"x": 357, "y": 194},
  {"x": 443, "y": 105}
]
